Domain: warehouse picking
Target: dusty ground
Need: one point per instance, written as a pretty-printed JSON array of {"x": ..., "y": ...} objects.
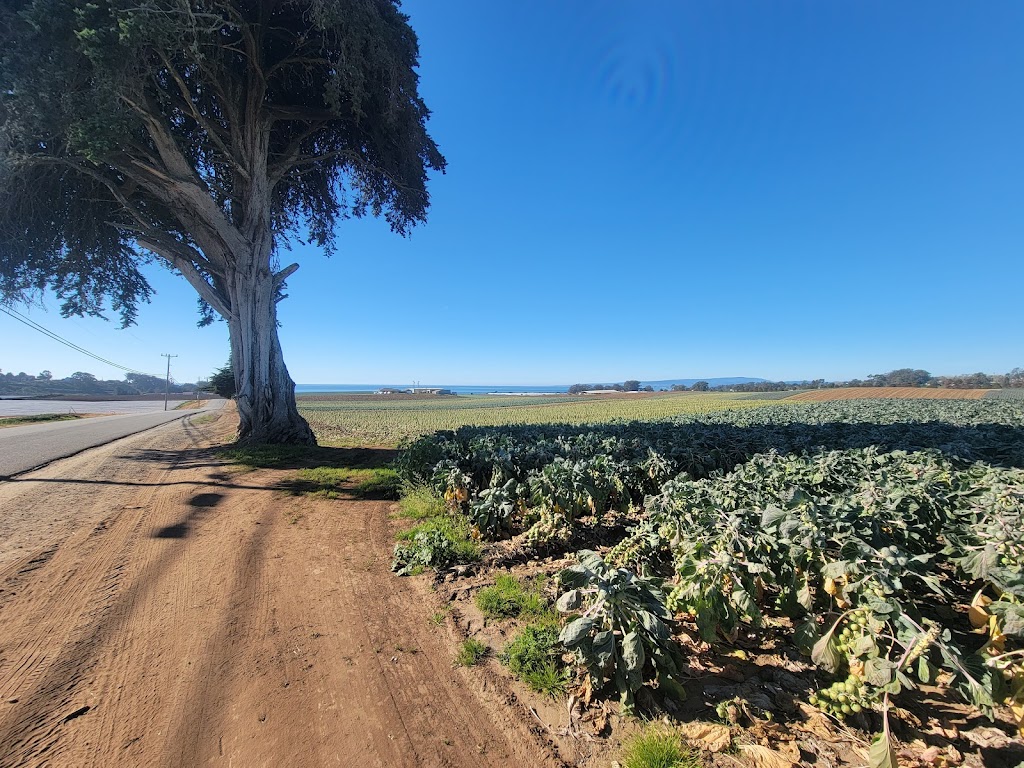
[{"x": 158, "y": 608}]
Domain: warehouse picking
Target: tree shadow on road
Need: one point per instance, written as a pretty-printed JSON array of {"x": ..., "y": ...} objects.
[{"x": 268, "y": 457}]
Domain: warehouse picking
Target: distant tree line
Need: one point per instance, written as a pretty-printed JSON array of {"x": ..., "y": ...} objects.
[
  {"x": 907, "y": 377},
  {"x": 629, "y": 385},
  {"x": 84, "y": 383},
  {"x": 901, "y": 377},
  {"x": 771, "y": 386}
]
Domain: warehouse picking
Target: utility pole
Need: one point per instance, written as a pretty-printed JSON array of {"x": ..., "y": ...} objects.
[{"x": 167, "y": 383}]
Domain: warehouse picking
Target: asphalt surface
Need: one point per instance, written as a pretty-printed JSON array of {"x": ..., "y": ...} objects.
[
  {"x": 34, "y": 407},
  {"x": 33, "y": 445}
]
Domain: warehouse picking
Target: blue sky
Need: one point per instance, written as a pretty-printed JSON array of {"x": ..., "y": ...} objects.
[{"x": 666, "y": 189}]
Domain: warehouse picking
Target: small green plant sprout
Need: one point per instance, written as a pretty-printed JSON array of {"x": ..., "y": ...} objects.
[
  {"x": 470, "y": 652},
  {"x": 621, "y": 630},
  {"x": 658, "y": 746}
]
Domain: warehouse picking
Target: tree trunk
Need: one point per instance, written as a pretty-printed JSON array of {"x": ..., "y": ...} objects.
[{"x": 265, "y": 392}]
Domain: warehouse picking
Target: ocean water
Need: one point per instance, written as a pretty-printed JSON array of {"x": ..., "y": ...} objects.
[{"x": 457, "y": 388}]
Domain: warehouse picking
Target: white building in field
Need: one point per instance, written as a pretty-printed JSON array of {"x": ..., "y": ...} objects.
[{"x": 414, "y": 391}]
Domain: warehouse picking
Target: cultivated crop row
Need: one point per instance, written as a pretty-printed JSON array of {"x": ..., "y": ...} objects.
[
  {"x": 877, "y": 534},
  {"x": 374, "y": 421}
]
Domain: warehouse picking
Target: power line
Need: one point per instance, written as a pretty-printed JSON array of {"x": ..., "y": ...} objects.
[{"x": 37, "y": 327}]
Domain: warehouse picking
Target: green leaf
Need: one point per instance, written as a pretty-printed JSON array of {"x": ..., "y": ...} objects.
[
  {"x": 879, "y": 672},
  {"x": 603, "y": 647},
  {"x": 590, "y": 560},
  {"x": 881, "y": 754},
  {"x": 825, "y": 654},
  {"x": 865, "y": 645},
  {"x": 746, "y": 606},
  {"x": 570, "y": 601},
  {"x": 806, "y": 634},
  {"x": 1011, "y": 616},
  {"x": 835, "y": 570},
  {"x": 576, "y": 632},
  {"x": 653, "y": 625},
  {"x": 980, "y": 563},
  {"x": 803, "y": 596},
  {"x": 633, "y": 652},
  {"x": 773, "y": 515},
  {"x": 574, "y": 576},
  {"x": 672, "y": 687},
  {"x": 926, "y": 671}
]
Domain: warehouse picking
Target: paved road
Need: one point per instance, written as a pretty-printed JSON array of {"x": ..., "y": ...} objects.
[
  {"x": 30, "y": 446},
  {"x": 35, "y": 407}
]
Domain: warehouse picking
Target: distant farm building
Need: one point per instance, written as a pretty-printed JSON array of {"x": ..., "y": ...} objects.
[{"x": 414, "y": 391}]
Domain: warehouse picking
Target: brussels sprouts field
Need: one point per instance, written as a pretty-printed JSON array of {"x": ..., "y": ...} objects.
[
  {"x": 346, "y": 419},
  {"x": 879, "y": 543}
]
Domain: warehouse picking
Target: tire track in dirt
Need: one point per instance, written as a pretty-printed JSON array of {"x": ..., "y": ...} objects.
[
  {"x": 165, "y": 610},
  {"x": 77, "y": 606}
]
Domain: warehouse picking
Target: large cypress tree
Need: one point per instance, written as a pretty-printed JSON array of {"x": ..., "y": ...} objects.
[{"x": 204, "y": 134}]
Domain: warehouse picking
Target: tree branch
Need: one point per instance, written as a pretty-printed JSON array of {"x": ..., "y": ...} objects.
[
  {"x": 208, "y": 292},
  {"x": 284, "y": 274},
  {"x": 213, "y": 131}
]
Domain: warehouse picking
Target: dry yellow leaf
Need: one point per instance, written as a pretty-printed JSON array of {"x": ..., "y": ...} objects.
[
  {"x": 978, "y": 616},
  {"x": 714, "y": 737},
  {"x": 763, "y": 757}
]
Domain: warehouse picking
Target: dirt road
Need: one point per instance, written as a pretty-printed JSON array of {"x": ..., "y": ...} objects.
[{"x": 158, "y": 608}]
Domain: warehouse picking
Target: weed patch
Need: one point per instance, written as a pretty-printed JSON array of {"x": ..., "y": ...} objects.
[
  {"x": 266, "y": 456},
  {"x": 438, "y": 542},
  {"x": 420, "y": 504},
  {"x": 658, "y": 747},
  {"x": 533, "y": 656},
  {"x": 509, "y": 598},
  {"x": 14, "y": 421},
  {"x": 471, "y": 652},
  {"x": 345, "y": 482}
]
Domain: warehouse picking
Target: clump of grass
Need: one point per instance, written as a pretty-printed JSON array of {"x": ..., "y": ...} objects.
[
  {"x": 266, "y": 456},
  {"x": 658, "y": 747},
  {"x": 420, "y": 503},
  {"x": 381, "y": 483},
  {"x": 336, "y": 482},
  {"x": 533, "y": 657},
  {"x": 510, "y": 597},
  {"x": 13, "y": 421},
  {"x": 470, "y": 652}
]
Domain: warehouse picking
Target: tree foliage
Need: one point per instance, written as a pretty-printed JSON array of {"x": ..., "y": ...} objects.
[
  {"x": 208, "y": 135},
  {"x": 222, "y": 382},
  {"x": 901, "y": 377}
]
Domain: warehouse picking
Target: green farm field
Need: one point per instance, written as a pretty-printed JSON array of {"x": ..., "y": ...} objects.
[
  {"x": 345, "y": 419},
  {"x": 867, "y": 551}
]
